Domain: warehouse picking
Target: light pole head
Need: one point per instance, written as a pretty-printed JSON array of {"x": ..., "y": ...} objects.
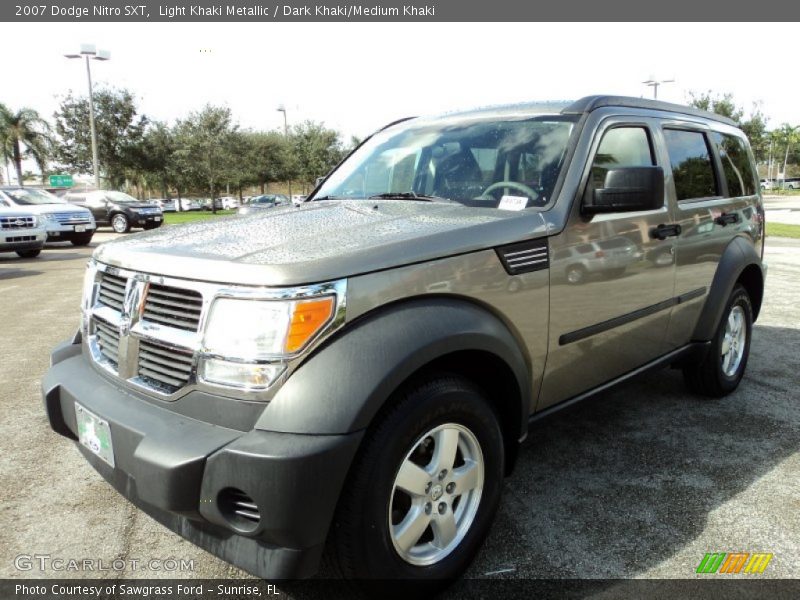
[
  {"x": 88, "y": 49},
  {"x": 281, "y": 108},
  {"x": 103, "y": 55}
]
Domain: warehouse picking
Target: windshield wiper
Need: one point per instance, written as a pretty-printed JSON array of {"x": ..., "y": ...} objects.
[{"x": 408, "y": 196}]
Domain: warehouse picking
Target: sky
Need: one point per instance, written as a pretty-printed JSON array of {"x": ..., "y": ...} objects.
[{"x": 356, "y": 77}]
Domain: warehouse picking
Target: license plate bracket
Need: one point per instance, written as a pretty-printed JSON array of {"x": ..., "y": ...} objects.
[{"x": 94, "y": 434}]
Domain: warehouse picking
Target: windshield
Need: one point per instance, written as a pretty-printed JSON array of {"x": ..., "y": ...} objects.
[
  {"x": 265, "y": 200},
  {"x": 499, "y": 163},
  {"x": 29, "y": 196},
  {"x": 120, "y": 198}
]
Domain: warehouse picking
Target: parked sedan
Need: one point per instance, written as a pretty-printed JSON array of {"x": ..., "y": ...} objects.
[
  {"x": 119, "y": 210},
  {"x": 264, "y": 201}
]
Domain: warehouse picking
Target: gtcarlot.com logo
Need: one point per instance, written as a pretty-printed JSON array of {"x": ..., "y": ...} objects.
[
  {"x": 46, "y": 562},
  {"x": 734, "y": 562}
]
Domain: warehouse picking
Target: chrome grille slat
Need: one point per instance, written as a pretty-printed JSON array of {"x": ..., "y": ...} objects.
[
  {"x": 13, "y": 222},
  {"x": 161, "y": 304},
  {"x": 108, "y": 341},
  {"x": 166, "y": 366},
  {"x": 112, "y": 291}
]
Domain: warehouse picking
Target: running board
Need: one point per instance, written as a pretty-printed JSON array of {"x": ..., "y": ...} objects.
[{"x": 671, "y": 357}]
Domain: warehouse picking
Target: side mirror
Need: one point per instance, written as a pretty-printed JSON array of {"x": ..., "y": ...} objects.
[{"x": 626, "y": 189}]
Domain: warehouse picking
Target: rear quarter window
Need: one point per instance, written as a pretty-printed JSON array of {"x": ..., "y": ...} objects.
[
  {"x": 690, "y": 159},
  {"x": 736, "y": 166}
]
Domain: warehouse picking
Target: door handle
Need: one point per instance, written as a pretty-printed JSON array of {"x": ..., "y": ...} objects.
[
  {"x": 662, "y": 232},
  {"x": 727, "y": 219}
]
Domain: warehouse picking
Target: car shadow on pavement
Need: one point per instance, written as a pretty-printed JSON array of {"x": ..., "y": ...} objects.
[
  {"x": 624, "y": 481},
  {"x": 6, "y": 274}
]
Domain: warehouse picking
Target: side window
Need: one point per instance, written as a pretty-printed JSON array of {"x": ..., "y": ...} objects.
[
  {"x": 736, "y": 166},
  {"x": 621, "y": 147},
  {"x": 690, "y": 159}
]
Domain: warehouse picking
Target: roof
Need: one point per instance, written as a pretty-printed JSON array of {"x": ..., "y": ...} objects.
[{"x": 590, "y": 103}]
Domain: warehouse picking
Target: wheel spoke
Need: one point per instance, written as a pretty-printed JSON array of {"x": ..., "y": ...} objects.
[
  {"x": 465, "y": 477},
  {"x": 407, "y": 533},
  {"x": 412, "y": 478},
  {"x": 446, "y": 445},
  {"x": 444, "y": 529}
]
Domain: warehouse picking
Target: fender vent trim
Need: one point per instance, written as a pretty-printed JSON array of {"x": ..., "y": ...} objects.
[{"x": 525, "y": 257}]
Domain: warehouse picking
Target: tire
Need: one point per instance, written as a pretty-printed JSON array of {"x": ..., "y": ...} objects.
[
  {"x": 29, "y": 253},
  {"x": 576, "y": 274},
  {"x": 120, "y": 223},
  {"x": 364, "y": 543},
  {"x": 81, "y": 239},
  {"x": 716, "y": 376}
]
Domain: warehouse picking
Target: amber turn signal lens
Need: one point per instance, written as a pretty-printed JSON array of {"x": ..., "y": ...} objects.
[{"x": 308, "y": 318}]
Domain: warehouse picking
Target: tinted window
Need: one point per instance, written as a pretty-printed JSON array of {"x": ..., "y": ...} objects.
[
  {"x": 621, "y": 147},
  {"x": 691, "y": 164},
  {"x": 736, "y": 165}
]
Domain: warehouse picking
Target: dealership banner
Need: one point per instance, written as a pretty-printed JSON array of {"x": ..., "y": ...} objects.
[{"x": 404, "y": 10}]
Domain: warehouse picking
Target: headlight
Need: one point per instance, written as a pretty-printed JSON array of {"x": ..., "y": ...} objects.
[
  {"x": 45, "y": 217},
  {"x": 248, "y": 339}
]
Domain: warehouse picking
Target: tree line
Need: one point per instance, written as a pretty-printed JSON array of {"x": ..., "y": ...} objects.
[
  {"x": 207, "y": 151},
  {"x": 202, "y": 154}
]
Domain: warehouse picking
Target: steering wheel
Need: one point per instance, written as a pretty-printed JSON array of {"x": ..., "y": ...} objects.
[{"x": 530, "y": 192}]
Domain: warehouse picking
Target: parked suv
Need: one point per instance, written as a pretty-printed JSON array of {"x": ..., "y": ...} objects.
[
  {"x": 61, "y": 221},
  {"x": 21, "y": 232},
  {"x": 355, "y": 374},
  {"x": 119, "y": 210}
]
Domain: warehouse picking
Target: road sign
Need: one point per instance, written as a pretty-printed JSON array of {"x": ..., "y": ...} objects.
[{"x": 61, "y": 181}]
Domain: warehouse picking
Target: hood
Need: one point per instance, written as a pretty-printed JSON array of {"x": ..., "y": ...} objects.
[
  {"x": 40, "y": 209},
  {"x": 318, "y": 241}
]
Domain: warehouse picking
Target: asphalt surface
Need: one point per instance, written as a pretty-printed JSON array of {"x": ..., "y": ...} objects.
[{"x": 640, "y": 482}]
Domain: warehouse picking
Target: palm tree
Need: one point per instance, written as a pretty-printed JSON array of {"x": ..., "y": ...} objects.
[{"x": 24, "y": 128}]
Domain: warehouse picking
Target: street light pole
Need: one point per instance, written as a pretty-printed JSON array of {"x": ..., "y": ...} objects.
[
  {"x": 90, "y": 51},
  {"x": 654, "y": 83},
  {"x": 282, "y": 108}
]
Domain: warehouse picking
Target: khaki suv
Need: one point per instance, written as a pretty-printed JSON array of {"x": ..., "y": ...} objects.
[{"x": 355, "y": 375}]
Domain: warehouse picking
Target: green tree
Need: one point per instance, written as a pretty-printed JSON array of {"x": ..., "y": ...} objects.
[
  {"x": 269, "y": 158},
  {"x": 205, "y": 150},
  {"x": 316, "y": 150},
  {"x": 754, "y": 126},
  {"x": 120, "y": 129},
  {"x": 24, "y": 134}
]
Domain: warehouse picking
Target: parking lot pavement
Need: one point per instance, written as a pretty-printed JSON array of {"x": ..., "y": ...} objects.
[{"x": 640, "y": 482}]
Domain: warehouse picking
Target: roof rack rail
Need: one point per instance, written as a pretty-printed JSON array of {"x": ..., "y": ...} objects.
[{"x": 589, "y": 103}]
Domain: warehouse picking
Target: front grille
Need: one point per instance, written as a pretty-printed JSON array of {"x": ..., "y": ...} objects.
[
  {"x": 173, "y": 307},
  {"x": 166, "y": 368},
  {"x": 75, "y": 218},
  {"x": 22, "y": 222},
  {"x": 108, "y": 341},
  {"x": 21, "y": 238},
  {"x": 112, "y": 291}
]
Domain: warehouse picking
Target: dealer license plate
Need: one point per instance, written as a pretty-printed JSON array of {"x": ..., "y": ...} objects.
[
  {"x": 94, "y": 433},
  {"x": 157, "y": 219},
  {"x": 80, "y": 228}
]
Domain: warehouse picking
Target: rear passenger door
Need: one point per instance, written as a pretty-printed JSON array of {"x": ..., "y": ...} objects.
[{"x": 712, "y": 189}]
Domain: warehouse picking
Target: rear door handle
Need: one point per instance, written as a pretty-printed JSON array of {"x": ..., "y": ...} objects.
[
  {"x": 662, "y": 232},
  {"x": 727, "y": 219}
]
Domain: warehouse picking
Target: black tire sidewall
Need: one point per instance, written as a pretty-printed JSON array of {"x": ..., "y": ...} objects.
[
  {"x": 447, "y": 400},
  {"x": 739, "y": 297}
]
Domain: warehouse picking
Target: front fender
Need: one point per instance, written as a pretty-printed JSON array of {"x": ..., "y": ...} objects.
[{"x": 345, "y": 383}]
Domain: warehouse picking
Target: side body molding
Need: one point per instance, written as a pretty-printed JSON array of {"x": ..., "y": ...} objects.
[
  {"x": 738, "y": 256},
  {"x": 345, "y": 383}
]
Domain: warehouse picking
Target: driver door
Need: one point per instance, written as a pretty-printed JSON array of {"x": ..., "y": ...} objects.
[{"x": 609, "y": 299}]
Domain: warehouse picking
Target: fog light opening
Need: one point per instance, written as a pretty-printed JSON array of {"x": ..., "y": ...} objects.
[{"x": 239, "y": 509}]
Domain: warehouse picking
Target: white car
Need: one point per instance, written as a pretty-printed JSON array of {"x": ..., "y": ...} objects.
[
  {"x": 298, "y": 198},
  {"x": 21, "y": 232},
  {"x": 229, "y": 202},
  {"x": 62, "y": 221}
]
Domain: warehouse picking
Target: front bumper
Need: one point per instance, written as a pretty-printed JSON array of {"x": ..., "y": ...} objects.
[
  {"x": 56, "y": 233},
  {"x": 141, "y": 220},
  {"x": 21, "y": 239},
  {"x": 177, "y": 469}
]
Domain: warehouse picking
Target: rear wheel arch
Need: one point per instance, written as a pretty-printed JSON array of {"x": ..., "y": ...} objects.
[{"x": 739, "y": 263}]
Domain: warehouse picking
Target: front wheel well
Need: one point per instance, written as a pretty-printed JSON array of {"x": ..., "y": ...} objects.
[
  {"x": 753, "y": 281},
  {"x": 496, "y": 380}
]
